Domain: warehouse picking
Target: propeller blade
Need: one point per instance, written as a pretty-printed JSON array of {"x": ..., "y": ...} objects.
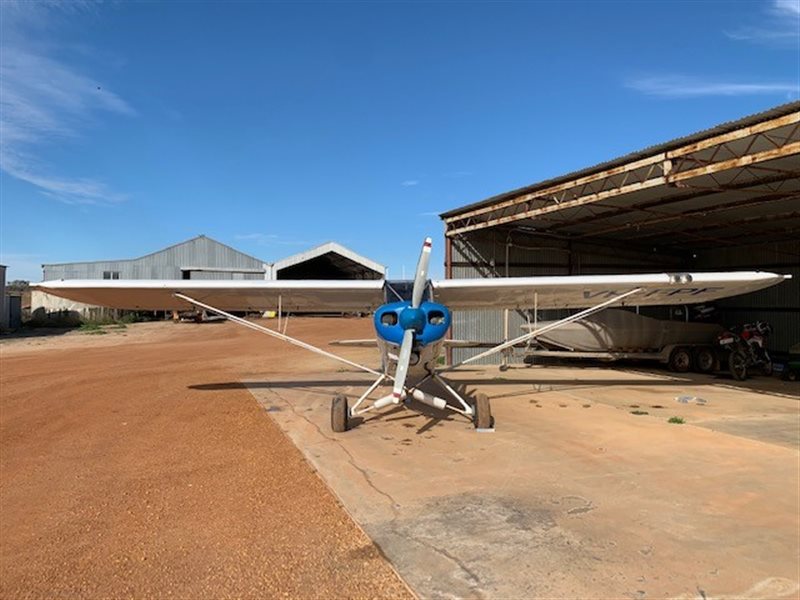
[
  {"x": 402, "y": 364},
  {"x": 421, "y": 278}
]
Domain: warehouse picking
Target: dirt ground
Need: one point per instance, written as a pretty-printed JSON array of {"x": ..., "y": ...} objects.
[{"x": 122, "y": 476}]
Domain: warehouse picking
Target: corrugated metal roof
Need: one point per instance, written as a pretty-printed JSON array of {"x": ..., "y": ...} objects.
[{"x": 167, "y": 248}]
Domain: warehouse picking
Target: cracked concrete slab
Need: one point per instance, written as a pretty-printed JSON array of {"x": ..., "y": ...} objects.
[{"x": 572, "y": 496}]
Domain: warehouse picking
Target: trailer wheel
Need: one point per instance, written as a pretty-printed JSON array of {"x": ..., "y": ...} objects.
[
  {"x": 483, "y": 412},
  {"x": 737, "y": 363},
  {"x": 339, "y": 414},
  {"x": 680, "y": 360},
  {"x": 704, "y": 360}
]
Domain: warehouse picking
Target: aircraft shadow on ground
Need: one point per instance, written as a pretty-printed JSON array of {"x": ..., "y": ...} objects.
[
  {"x": 325, "y": 388},
  {"x": 466, "y": 388},
  {"x": 456, "y": 383}
]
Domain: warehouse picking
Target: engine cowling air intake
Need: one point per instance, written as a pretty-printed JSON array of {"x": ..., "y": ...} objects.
[{"x": 429, "y": 322}]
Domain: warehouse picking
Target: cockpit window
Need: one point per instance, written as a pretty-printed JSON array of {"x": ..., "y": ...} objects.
[
  {"x": 436, "y": 317},
  {"x": 389, "y": 319}
]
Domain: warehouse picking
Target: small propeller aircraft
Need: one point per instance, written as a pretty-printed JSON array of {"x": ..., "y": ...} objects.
[{"x": 411, "y": 332}]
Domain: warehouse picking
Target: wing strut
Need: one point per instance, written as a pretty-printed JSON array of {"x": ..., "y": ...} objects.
[
  {"x": 532, "y": 334},
  {"x": 275, "y": 334}
]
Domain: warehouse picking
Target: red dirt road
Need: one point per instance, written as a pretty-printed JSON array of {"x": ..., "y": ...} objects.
[{"x": 119, "y": 479}]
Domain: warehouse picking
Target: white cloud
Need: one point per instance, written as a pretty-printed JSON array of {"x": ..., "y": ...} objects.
[
  {"x": 789, "y": 7},
  {"x": 410, "y": 182},
  {"x": 678, "y": 86},
  {"x": 779, "y": 25},
  {"x": 44, "y": 101}
]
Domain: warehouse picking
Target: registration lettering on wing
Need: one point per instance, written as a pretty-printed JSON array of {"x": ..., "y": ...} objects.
[{"x": 667, "y": 292}]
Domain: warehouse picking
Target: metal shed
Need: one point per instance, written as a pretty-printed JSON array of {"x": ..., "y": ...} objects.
[
  {"x": 204, "y": 258},
  {"x": 727, "y": 198},
  {"x": 198, "y": 258}
]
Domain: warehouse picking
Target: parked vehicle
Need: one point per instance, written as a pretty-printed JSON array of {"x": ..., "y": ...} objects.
[
  {"x": 617, "y": 334},
  {"x": 743, "y": 349}
]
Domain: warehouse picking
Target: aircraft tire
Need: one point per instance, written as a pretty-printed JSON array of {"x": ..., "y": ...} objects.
[
  {"x": 339, "y": 413},
  {"x": 483, "y": 412}
]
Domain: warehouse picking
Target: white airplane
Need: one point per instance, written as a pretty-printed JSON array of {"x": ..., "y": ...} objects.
[{"x": 411, "y": 333}]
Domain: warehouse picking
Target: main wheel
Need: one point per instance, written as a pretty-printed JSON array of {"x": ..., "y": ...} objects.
[
  {"x": 339, "y": 413},
  {"x": 483, "y": 412},
  {"x": 704, "y": 360},
  {"x": 737, "y": 363},
  {"x": 680, "y": 360}
]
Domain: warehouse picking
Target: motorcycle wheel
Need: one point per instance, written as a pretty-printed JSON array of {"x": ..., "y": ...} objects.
[
  {"x": 737, "y": 363},
  {"x": 766, "y": 369}
]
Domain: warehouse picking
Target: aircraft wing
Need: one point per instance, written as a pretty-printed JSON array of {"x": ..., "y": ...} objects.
[
  {"x": 580, "y": 291},
  {"x": 255, "y": 295}
]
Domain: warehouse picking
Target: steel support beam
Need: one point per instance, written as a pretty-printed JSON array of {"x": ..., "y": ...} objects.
[
  {"x": 700, "y": 212},
  {"x": 746, "y": 187}
]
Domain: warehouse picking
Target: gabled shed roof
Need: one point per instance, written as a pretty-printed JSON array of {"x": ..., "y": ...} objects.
[{"x": 327, "y": 248}]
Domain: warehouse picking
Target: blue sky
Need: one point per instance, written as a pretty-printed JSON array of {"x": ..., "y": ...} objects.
[{"x": 273, "y": 127}]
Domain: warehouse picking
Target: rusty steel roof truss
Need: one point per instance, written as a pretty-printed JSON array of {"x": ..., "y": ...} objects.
[{"x": 750, "y": 166}]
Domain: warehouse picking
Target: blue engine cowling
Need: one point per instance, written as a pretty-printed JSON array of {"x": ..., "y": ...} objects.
[{"x": 429, "y": 322}]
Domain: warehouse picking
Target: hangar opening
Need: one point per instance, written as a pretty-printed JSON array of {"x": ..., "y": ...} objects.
[
  {"x": 724, "y": 199},
  {"x": 328, "y": 261}
]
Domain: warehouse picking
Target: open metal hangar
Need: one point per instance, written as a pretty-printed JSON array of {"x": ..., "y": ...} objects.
[
  {"x": 328, "y": 261},
  {"x": 724, "y": 199}
]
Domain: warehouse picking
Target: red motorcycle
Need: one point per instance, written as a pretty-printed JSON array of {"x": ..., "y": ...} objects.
[{"x": 743, "y": 348}]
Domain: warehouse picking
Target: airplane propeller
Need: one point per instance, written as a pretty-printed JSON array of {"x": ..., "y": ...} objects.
[{"x": 412, "y": 319}]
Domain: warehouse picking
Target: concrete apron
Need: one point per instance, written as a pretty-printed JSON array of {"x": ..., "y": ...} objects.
[{"x": 571, "y": 497}]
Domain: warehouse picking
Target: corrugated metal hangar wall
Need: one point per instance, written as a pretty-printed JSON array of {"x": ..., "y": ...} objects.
[
  {"x": 721, "y": 200},
  {"x": 484, "y": 255}
]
